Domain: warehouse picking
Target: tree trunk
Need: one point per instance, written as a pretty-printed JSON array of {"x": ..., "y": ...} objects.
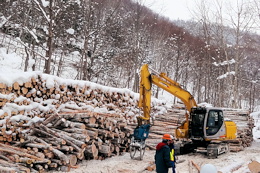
[{"x": 48, "y": 58}]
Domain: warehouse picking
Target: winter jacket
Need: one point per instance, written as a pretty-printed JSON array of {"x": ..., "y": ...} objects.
[{"x": 162, "y": 158}]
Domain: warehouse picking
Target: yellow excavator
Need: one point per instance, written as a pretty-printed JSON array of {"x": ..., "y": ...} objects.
[{"x": 203, "y": 128}]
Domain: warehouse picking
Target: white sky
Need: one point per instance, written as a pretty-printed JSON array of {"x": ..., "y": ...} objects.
[
  {"x": 174, "y": 9},
  {"x": 186, "y": 9}
]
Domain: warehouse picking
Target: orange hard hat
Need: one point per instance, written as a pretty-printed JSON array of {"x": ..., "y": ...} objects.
[{"x": 167, "y": 137}]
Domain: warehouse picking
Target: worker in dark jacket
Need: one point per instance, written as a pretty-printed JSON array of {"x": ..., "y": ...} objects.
[{"x": 162, "y": 155}]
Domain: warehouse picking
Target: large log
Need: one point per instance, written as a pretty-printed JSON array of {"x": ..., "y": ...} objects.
[
  {"x": 91, "y": 151},
  {"x": 62, "y": 157},
  {"x": 68, "y": 139}
]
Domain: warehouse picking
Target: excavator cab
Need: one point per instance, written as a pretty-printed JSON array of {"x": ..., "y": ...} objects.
[{"x": 206, "y": 123}]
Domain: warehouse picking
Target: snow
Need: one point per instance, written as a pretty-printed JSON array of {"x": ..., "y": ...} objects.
[
  {"x": 45, "y": 3},
  {"x": 232, "y": 61},
  {"x": 2, "y": 21},
  {"x": 70, "y": 31},
  {"x": 226, "y": 75},
  {"x": 204, "y": 104},
  {"x": 226, "y": 163},
  {"x": 9, "y": 62},
  {"x": 33, "y": 34}
]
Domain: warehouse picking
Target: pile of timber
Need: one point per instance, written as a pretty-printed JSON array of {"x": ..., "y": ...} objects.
[
  {"x": 55, "y": 123},
  {"x": 167, "y": 123},
  {"x": 43, "y": 94},
  {"x": 61, "y": 140},
  {"x": 37, "y": 97},
  {"x": 244, "y": 124}
]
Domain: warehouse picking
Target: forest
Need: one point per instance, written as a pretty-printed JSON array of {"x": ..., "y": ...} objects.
[{"x": 107, "y": 41}]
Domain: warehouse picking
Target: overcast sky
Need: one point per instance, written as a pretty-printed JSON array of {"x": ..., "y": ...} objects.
[
  {"x": 174, "y": 9},
  {"x": 185, "y": 9}
]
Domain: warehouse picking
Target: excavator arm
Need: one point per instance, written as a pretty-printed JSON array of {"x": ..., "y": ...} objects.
[{"x": 164, "y": 82}]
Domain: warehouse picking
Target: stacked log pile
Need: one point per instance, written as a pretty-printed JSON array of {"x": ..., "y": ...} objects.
[
  {"x": 41, "y": 96},
  {"x": 167, "y": 123},
  {"x": 60, "y": 141},
  {"x": 55, "y": 124},
  {"x": 48, "y": 98},
  {"x": 244, "y": 124}
]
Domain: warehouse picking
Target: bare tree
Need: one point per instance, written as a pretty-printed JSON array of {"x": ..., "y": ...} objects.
[{"x": 242, "y": 23}]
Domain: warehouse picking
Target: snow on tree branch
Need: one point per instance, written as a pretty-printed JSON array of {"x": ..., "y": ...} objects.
[
  {"x": 43, "y": 12},
  {"x": 45, "y": 3},
  {"x": 226, "y": 74},
  {"x": 33, "y": 35},
  {"x": 232, "y": 61}
]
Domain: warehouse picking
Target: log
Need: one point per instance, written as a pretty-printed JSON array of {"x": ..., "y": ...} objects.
[
  {"x": 59, "y": 122},
  {"x": 53, "y": 165},
  {"x": 64, "y": 159},
  {"x": 16, "y": 167},
  {"x": 39, "y": 168},
  {"x": 51, "y": 137},
  {"x": 92, "y": 134},
  {"x": 16, "y": 86},
  {"x": 92, "y": 120},
  {"x": 8, "y": 150},
  {"x": 78, "y": 131},
  {"x": 7, "y": 169},
  {"x": 65, "y": 168},
  {"x": 24, "y": 91},
  {"x": 50, "y": 119},
  {"x": 104, "y": 149},
  {"x": 92, "y": 151},
  {"x": 26, "y": 160},
  {"x": 152, "y": 167},
  {"x": 73, "y": 159},
  {"x": 195, "y": 165},
  {"x": 254, "y": 167},
  {"x": 66, "y": 138},
  {"x": 38, "y": 145}
]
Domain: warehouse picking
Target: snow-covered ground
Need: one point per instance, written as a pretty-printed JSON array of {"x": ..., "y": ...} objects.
[
  {"x": 226, "y": 163},
  {"x": 230, "y": 162}
]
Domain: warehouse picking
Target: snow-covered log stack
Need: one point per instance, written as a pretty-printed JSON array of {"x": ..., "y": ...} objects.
[
  {"x": 44, "y": 94},
  {"x": 60, "y": 121}
]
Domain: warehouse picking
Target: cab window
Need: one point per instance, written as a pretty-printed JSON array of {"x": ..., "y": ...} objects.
[{"x": 214, "y": 122}]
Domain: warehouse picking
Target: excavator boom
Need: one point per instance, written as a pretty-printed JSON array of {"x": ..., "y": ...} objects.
[{"x": 164, "y": 82}]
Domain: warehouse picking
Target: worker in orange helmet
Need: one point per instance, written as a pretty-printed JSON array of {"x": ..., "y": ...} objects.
[{"x": 162, "y": 155}]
